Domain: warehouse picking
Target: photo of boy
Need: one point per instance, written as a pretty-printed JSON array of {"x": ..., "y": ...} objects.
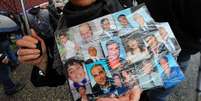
[
  {"x": 67, "y": 47},
  {"x": 114, "y": 52},
  {"x": 168, "y": 38},
  {"x": 148, "y": 76},
  {"x": 170, "y": 71},
  {"x": 135, "y": 48},
  {"x": 77, "y": 78},
  {"x": 101, "y": 78}
]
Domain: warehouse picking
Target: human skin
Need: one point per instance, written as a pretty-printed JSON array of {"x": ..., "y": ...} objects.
[
  {"x": 86, "y": 32},
  {"x": 113, "y": 51},
  {"x": 76, "y": 73},
  {"x": 99, "y": 75}
]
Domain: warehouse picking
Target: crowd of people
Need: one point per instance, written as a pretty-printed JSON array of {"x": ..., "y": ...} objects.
[{"x": 182, "y": 15}]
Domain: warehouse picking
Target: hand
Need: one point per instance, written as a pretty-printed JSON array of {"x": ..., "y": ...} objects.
[
  {"x": 5, "y": 60},
  {"x": 107, "y": 99},
  {"x": 28, "y": 52},
  {"x": 135, "y": 93},
  {"x": 132, "y": 95}
]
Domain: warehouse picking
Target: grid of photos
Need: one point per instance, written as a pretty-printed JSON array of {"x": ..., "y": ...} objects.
[{"x": 111, "y": 55}]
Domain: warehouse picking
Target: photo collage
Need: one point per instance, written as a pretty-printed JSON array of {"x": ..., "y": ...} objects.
[{"x": 110, "y": 55}]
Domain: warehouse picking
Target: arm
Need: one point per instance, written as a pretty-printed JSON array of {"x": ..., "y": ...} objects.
[{"x": 29, "y": 54}]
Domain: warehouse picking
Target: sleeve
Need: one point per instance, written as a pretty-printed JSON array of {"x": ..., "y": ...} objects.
[
  {"x": 113, "y": 6},
  {"x": 52, "y": 78}
]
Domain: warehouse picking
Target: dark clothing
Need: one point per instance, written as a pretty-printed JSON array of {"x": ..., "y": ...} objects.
[
  {"x": 126, "y": 3},
  {"x": 184, "y": 20},
  {"x": 73, "y": 15},
  {"x": 122, "y": 90},
  {"x": 5, "y": 79}
]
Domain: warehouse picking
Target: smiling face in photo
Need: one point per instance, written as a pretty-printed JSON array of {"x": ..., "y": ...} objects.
[{"x": 76, "y": 72}]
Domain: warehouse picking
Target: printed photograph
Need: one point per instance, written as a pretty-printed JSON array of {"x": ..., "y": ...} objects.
[
  {"x": 119, "y": 84},
  {"x": 168, "y": 38},
  {"x": 101, "y": 78},
  {"x": 92, "y": 52},
  {"x": 170, "y": 71},
  {"x": 142, "y": 20},
  {"x": 135, "y": 47},
  {"x": 114, "y": 52},
  {"x": 78, "y": 80},
  {"x": 148, "y": 76},
  {"x": 155, "y": 44},
  {"x": 123, "y": 25},
  {"x": 129, "y": 77},
  {"x": 85, "y": 33},
  {"x": 106, "y": 26},
  {"x": 67, "y": 46}
]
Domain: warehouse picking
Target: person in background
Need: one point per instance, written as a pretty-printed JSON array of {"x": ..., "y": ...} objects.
[{"x": 9, "y": 86}]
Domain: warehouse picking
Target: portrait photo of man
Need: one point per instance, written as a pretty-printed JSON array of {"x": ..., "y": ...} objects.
[
  {"x": 101, "y": 79},
  {"x": 86, "y": 32},
  {"x": 107, "y": 26},
  {"x": 126, "y": 27}
]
